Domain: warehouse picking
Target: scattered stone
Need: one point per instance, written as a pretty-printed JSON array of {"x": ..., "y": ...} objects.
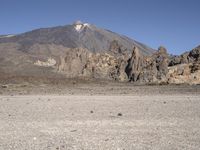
[
  {"x": 63, "y": 146},
  {"x": 73, "y": 130},
  {"x": 4, "y": 86},
  {"x": 119, "y": 114}
]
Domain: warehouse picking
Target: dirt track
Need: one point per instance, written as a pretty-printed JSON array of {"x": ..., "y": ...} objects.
[{"x": 169, "y": 121}]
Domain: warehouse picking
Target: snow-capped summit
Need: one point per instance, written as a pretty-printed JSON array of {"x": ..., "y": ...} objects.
[
  {"x": 79, "y": 26},
  {"x": 75, "y": 35}
]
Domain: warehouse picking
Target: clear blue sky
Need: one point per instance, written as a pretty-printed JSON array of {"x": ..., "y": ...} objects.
[{"x": 174, "y": 24}]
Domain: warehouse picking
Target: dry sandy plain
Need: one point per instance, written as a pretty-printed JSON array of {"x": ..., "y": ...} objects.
[{"x": 99, "y": 117}]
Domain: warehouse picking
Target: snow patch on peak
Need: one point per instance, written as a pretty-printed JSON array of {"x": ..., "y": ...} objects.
[
  {"x": 80, "y": 26},
  {"x": 86, "y": 25}
]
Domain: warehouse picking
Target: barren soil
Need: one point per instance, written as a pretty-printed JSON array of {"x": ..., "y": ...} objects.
[{"x": 99, "y": 117}]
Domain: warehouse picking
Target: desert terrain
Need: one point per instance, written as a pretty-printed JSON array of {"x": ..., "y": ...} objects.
[
  {"x": 82, "y": 87},
  {"x": 98, "y": 116},
  {"x": 126, "y": 77}
]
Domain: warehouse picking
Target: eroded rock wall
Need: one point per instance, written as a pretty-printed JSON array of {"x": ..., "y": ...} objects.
[{"x": 134, "y": 66}]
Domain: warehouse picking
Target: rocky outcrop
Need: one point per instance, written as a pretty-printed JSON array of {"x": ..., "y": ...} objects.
[
  {"x": 148, "y": 68},
  {"x": 116, "y": 64},
  {"x": 162, "y": 61},
  {"x": 187, "y": 57},
  {"x": 72, "y": 63},
  {"x": 194, "y": 55},
  {"x": 187, "y": 70},
  {"x": 159, "y": 68},
  {"x": 83, "y": 63},
  {"x": 183, "y": 73},
  {"x": 135, "y": 65},
  {"x": 100, "y": 66}
]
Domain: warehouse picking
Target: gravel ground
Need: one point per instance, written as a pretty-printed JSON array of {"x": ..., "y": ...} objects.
[{"x": 100, "y": 122}]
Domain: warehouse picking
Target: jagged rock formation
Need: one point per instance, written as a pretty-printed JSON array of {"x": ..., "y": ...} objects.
[
  {"x": 148, "y": 68},
  {"x": 72, "y": 63},
  {"x": 187, "y": 70},
  {"x": 158, "y": 68},
  {"x": 187, "y": 57},
  {"x": 125, "y": 66},
  {"x": 135, "y": 65}
]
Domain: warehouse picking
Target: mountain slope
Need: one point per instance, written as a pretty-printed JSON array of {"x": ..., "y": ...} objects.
[{"x": 74, "y": 36}]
